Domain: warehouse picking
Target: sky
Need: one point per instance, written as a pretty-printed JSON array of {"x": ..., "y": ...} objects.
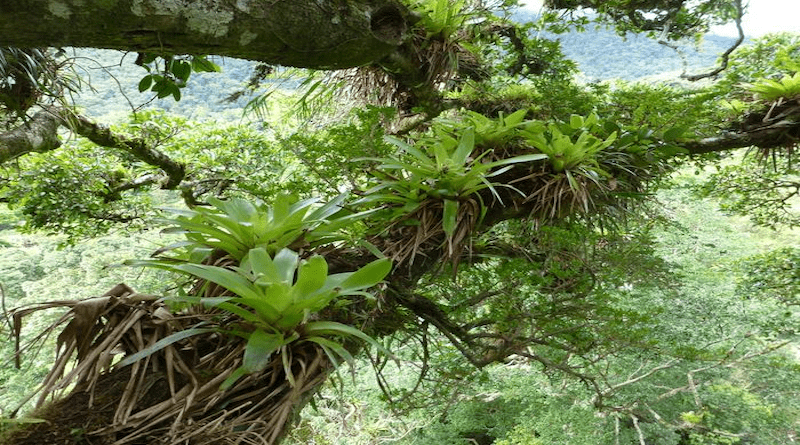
[{"x": 763, "y": 16}]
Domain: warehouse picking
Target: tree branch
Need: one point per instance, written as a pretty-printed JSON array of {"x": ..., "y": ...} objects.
[
  {"x": 321, "y": 34},
  {"x": 103, "y": 136},
  {"x": 724, "y": 57},
  {"x": 778, "y": 134},
  {"x": 39, "y": 134}
]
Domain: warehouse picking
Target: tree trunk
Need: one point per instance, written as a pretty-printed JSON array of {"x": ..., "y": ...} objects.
[{"x": 324, "y": 34}]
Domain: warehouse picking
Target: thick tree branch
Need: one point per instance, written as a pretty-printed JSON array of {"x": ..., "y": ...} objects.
[
  {"x": 103, "y": 136},
  {"x": 39, "y": 134},
  {"x": 778, "y": 134},
  {"x": 304, "y": 33}
]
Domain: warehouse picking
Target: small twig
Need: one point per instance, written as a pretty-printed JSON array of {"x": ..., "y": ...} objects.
[
  {"x": 638, "y": 429},
  {"x": 724, "y": 57},
  {"x": 104, "y": 137}
]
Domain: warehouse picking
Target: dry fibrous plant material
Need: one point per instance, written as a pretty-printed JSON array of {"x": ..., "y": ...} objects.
[{"x": 172, "y": 395}]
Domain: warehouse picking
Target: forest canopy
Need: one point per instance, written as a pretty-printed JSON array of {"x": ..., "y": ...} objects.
[{"x": 424, "y": 188}]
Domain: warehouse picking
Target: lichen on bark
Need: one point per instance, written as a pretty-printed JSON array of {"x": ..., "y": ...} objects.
[{"x": 321, "y": 34}]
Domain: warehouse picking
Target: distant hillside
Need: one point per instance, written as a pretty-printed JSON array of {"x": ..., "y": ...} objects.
[
  {"x": 604, "y": 55},
  {"x": 601, "y": 54}
]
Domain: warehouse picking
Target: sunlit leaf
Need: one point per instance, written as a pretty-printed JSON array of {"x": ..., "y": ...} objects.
[
  {"x": 367, "y": 276},
  {"x": 449, "y": 216},
  {"x": 260, "y": 347}
]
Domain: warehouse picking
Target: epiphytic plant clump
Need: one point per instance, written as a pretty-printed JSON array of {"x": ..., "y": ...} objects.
[
  {"x": 252, "y": 313},
  {"x": 434, "y": 184}
]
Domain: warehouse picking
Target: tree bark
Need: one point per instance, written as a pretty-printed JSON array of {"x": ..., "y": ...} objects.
[
  {"x": 39, "y": 134},
  {"x": 321, "y": 34}
]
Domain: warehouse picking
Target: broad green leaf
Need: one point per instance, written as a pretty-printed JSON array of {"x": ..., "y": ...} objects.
[
  {"x": 329, "y": 208},
  {"x": 202, "y": 64},
  {"x": 280, "y": 208},
  {"x": 335, "y": 350},
  {"x": 302, "y": 206},
  {"x": 520, "y": 159},
  {"x": 576, "y": 121},
  {"x": 240, "y": 210},
  {"x": 260, "y": 347},
  {"x": 465, "y": 146},
  {"x": 145, "y": 83},
  {"x": 311, "y": 276},
  {"x": 367, "y": 276},
  {"x": 226, "y": 278},
  {"x": 180, "y": 69},
  {"x": 161, "y": 344},
  {"x": 290, "y": 319},
  {"x": 286, "y": 263},
  {"x": 673, "y": 134},
  {"x": 449, "y": 217},
  {"x": 275, "y": 295},
  {"x": 243, "y": 313},
  {"x": 317, "y": 301},
  {"x": 515, "y": 118},
  {"x": 334, "y": 328},
  {"x": 423, "y": 158},
  {"x": 263, "y": 268}
]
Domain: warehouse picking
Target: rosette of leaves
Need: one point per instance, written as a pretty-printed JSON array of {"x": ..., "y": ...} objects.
[
  {"x": 237, "y": 225},
  {"x": 770, "y": 90},
  {"x": 494, "y": 133},
  {"x": 572, "y": 149},
  {"x": 434, "y": 184},
  {"x": 441, "y": 18},
  {"x": 273, "y": 299},
  {"x": 271, "y": 292},
  {"x": 251, "y": 341}
]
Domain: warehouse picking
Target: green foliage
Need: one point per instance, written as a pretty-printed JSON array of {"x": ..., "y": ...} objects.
[
  {"x": 770, "y": 90},
  {"x": 169, "y": 79},
  {"x": 326, "y": 156},
  {"x": 767, "y": 57},
  {"x": 494, "y": 133},
  {"x": 657, "y": 19},
  {"x": 440, "y": 167},
  {"x": 27, "y": 74},
  {"x": 235, "y": 226},
  {"x": 628, "y": 333},
  {"x": 567, "y": 154},
  {"x": 659, "y": 108},
  {"x": 441, "y": 19},
  {"x": 774, "y": 274},
  {"x": 766, "y": 192},
  {"x": 267, "y": 286},
  {"x": 84, "y": 191},
  {"x": 273, "y": 292},
  {"x": 547, "y": 97},
  {"x": 73, "y": 191}
]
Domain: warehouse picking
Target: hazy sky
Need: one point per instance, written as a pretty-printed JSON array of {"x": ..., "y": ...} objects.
[{"x": 762, "y": 16}]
